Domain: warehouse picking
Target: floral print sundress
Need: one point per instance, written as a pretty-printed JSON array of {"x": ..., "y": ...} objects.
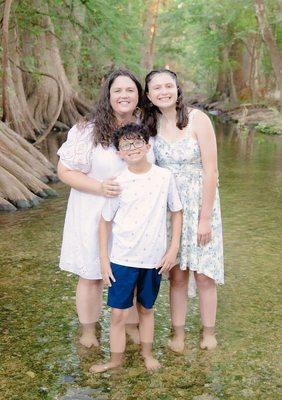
[{"x": 183, "y": 158}]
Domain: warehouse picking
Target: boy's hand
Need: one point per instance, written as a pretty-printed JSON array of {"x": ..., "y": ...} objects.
[
  {"x": 106, "y": 270},
  {"x": 168, "y": 260}
]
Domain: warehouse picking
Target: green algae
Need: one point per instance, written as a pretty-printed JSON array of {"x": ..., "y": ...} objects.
[{"x": 40, "y": 356}]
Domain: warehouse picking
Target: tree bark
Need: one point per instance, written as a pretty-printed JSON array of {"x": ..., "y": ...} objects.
[
  {"x": 270, "y": 42},
  {"x": 43, "y": 95},
  {"x": 222, "y": 88},
  {"x": 150, "y": 29},
  {"x": 239, "y": 82},
  {"x": 15, "y": 109},
  {"x": 24, "y": 172},
  {"x": 71, "y": 46}
]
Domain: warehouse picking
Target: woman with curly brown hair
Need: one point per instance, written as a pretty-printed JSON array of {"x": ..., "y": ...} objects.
[
  {"x": 89, "y": 164},
  {"x": 185, "y": 143}
]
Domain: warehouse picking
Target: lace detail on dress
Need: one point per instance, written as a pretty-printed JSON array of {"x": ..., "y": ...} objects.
[{"x": 76, "y": 152}]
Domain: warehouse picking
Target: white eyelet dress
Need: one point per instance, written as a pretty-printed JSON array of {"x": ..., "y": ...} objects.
[
  {"x": 183, "y": 158},
  {"x": 80, "y": 246}
]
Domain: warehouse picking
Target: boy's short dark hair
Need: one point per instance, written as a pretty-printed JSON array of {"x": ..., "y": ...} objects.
[{"x": 131, "y": 131}]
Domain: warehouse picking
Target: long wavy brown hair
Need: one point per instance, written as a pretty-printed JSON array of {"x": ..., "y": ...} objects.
[
  {"x": 102, "y": 116},
  {"x": 151, "y": 112}
]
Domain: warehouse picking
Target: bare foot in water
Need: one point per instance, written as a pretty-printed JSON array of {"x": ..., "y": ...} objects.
[
  {"x": 88, "y": 339},
  {"x": 151, "y": 363},
  {"x": 176, "y": 344},
  {"x": 208, "y": 342},
  {"x": 99, "y": 368},
  {"x": 133, "y": 332}
]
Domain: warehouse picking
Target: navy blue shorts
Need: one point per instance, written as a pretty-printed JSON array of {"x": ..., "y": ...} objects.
[{"x": 121, "y": 293}]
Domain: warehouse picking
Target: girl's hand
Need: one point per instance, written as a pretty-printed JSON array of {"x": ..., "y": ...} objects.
[
  {"x": 168, "y": 260},
  {"x": 107, "y": 273},
  {"x": 110, "y": 188},
  {"x": 204, "y": 232}
]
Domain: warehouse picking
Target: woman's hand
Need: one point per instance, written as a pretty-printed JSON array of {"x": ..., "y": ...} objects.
[
  {"x": 168, "y": 261},
  {"x": 204, "y": 231},
  {"x": 110, "y": 188},
  {"x": 106, "y": 271}
]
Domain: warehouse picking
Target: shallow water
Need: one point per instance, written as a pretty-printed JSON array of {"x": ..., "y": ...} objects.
[{"x": 40, "y": 358}]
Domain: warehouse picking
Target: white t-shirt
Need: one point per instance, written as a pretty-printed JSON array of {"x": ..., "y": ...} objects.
[{"x": 139, "y": 217}]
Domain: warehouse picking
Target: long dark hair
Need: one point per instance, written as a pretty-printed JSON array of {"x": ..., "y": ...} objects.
[
  {"x": 150, "y": 111},
  {"x": 102, "y": 117}
]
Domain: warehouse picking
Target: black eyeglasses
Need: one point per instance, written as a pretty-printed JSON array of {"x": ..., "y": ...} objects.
[{"x": 137, "y": 144}]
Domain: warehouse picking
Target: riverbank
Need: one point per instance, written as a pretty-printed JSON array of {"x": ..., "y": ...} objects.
[{"x": 262, "y": 118}]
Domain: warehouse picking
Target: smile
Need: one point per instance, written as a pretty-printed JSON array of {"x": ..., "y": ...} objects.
[{"x": 164, "y": 98}]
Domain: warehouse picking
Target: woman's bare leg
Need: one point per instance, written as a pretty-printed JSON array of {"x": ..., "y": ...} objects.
[
  {"x": 178, "y": 307},
  {"x": 88, "y": 304},
  {"x": 208, "y": 306}
]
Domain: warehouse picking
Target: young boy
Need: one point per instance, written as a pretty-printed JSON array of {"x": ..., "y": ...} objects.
[{"x": 138, "y": 254}]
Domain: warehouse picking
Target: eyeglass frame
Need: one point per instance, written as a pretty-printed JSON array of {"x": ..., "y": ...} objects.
[{"x": 132, "y": 145}]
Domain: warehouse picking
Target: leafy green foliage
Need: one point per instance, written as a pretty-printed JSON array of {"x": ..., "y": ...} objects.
[{"x": 191, "y": 36}]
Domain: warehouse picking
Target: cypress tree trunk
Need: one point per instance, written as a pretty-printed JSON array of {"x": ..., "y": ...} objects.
[{"x": 270, "y": 42}]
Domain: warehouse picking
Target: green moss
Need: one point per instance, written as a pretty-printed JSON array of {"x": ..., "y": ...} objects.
[{"x": 268, "y": 129}]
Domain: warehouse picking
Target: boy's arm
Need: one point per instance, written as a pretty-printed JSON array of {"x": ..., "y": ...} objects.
[
  {"x": 175, "y": 206},
  {"x": 104, "y": 233},
  {"x": 169, "y": 259},
  {"x": 108, "y": 212}
]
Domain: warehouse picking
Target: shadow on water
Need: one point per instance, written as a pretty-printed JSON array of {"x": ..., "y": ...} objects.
[{"x": 40, "y": 358}]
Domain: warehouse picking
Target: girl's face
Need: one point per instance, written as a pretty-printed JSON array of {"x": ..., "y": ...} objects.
[
  {"x": 162, "y": 90},
  {"x": 123, "y": 95}
]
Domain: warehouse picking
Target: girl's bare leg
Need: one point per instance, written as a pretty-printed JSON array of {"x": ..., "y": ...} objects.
[
  {"x": 146, "y": 329},
  {"x": 208, "y": 306},
  {"x": 117, "y": 341},
  {"x": 88, "y": 305},
  {"x": 178, "y": 307}
]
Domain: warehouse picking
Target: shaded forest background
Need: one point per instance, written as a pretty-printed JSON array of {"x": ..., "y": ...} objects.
[{"x": 55, "y": 55}]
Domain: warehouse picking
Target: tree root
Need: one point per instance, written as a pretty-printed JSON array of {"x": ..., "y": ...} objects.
[{"x": 24, "y": 172}]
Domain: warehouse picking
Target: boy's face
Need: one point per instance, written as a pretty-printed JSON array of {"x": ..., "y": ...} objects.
[{"x": 133, "y": 149}]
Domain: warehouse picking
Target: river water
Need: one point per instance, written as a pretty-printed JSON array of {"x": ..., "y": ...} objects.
[{"x": 40, "y": 357}]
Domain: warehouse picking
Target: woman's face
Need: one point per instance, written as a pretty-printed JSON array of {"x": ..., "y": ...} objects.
[
  {"x": 162, "y": 90},
  {"x": 123, "y": 96}
]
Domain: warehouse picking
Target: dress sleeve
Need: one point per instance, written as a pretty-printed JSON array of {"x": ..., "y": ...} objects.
[
  {"x": 151, "y": 156},
  {"x": 110, "y": 208},
  {"x": 173, "y": 199},
  {"x": 76, "y": 152}
]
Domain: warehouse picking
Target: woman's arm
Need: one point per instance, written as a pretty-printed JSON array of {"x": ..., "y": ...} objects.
[
  {"x": 80, "y": 181},
  {"x": 204, "y": 132}
]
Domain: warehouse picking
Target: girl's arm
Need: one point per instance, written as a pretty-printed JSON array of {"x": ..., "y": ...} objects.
[
  {"x": 204, "y": 132},
  {"x": 80, "y": 181}
]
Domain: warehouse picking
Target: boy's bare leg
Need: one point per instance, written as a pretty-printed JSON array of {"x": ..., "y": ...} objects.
[
  {"x": 88, "y": 305},
  {"x": 132, "y": 323},
  {"x": 146, "y": 329},
  {"x": 178, "y": 307},
  {"x": 117, "y": 341}
]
